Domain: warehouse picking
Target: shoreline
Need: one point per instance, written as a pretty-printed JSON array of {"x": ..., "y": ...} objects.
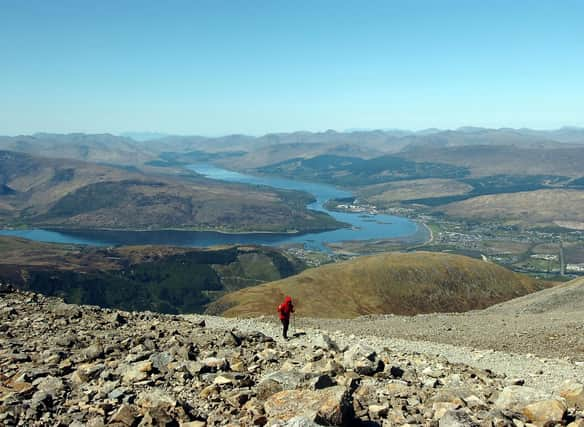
[
  {"x": 85, "y": 233},
  {"x": 182, "y": 230},
  {"x": 430, "y": 232},
  {"x": 412, "y": 239}
]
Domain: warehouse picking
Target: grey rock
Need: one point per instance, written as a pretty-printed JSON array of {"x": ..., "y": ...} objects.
[
  {"x": 300, "y": 422},
  {"x": 53, "y": 386},
  {"x": 66, "y": 340},
  {"x": 362, "y": 359},
  {"x": 67, "y": 311},
  {"x": 6, "y": 288},
  {"x": 161, "y": 360},
  {"x": 117, "y": 319},
  {"x": 325, "y": 342},
  {"x": 320, "y": 382},
  {"x": 456, "y": 418},
  {"x": 118, "y": 393},
  {"x": 231, "y": 340},
  {"x": 93, "y": 352},
  {"x": 41, "y": 401},
  {"x": 214, "y": 364},
  {"x": 288, "y": 380},
  {"x": 515, "y": 398}
]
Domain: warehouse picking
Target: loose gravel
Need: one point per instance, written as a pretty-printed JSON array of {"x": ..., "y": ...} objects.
[{"x": 544, "y": 373}]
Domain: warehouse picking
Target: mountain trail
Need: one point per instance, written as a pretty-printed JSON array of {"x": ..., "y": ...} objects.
[
  {"x": 63, "y": 364},
  {"x": 547, "y": 374}
]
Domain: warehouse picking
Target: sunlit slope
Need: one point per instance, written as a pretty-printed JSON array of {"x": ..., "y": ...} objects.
[
  {"x": 561, "y": 207},
  {"x": 396, "y": 283},
  {"x": 566, "y": 298},
  {"x": 45, "y": 192}
]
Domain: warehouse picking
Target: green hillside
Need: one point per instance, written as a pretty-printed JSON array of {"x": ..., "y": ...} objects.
[{"x": 168, "y": 280}]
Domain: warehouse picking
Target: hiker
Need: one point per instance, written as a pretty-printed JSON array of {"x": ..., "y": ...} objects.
[{"x": 285, "y": 310}]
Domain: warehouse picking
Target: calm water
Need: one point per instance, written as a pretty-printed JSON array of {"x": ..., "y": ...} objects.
[{"x": 364, "y": 227}]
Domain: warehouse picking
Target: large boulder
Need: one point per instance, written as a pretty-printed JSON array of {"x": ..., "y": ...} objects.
[
  {"x": 545, "y": 412},
  {"x": 362, "y": 359},
  {"x": 6, "y": 288},
  {"x": 456, "y": 418},
  {"x": 329, "y": 406},
  {"x": 515, "y": 398},
  {"x": 325, "y": 342},
  {"x": 64, "y": 310},
  {"x": 573, "y": 393},
  {"x": 282, "y": 380}
]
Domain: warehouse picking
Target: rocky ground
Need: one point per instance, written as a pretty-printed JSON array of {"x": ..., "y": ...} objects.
[
  {"x": 68, "y": 365},
  {"x": 557, "y": 335}
]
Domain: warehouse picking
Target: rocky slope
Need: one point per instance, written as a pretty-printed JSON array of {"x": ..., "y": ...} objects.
[
  {"x": 398, "y": 283},
  {"x": 565, "y": 298},
  {"x": 79, "y": 365}
]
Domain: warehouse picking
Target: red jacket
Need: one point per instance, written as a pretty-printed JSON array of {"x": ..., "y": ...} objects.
[{"x": 286, "y": 308}]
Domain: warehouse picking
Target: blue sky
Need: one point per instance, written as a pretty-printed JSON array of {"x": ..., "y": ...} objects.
[{"x": 218, "y": 67}]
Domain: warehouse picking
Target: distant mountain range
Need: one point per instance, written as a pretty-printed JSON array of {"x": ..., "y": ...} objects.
[
  {"x": 133, "y": 148},
  {"x": 99, "y": 148},
  {"x": 144, "y": 136},
  {"x": 482, "y": 160}
]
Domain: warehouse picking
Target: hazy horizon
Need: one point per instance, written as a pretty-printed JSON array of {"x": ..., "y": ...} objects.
[
  {"x": 349, "y": 130},
  {"x": 218, "y": 68}
]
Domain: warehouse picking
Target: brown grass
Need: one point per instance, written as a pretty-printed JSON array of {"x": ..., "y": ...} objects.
[
  {"x": 542, "y": 207},
  {"x": 397, "y": 283},
  {"x": 413, "y": 189},
  {"x": 76, "y": 194},
  {"x": 483, "y": 160}
]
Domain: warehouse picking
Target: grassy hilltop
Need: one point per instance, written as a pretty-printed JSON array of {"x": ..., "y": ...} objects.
[{"x": 389, "y": 283}]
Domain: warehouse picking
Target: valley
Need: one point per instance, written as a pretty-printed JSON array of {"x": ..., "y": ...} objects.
[
  {"x": 509, "y": 196},
  {"x": 70, "y": 194},
  {"x": 443, "y": 252},
  {"x": 156, "y": 278},
  {"x": 292, "y": 214}
]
